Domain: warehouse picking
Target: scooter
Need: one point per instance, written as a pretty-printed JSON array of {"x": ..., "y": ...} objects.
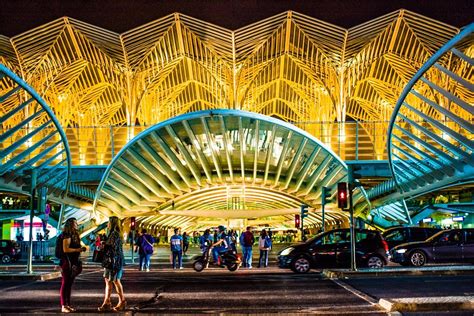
[{"x": 228, "y": 259}]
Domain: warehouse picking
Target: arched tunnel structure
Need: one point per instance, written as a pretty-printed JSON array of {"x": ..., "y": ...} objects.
[{"x": 204, "y": 167}]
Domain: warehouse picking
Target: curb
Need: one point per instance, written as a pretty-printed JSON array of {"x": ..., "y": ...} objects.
[
  {"x": 31, "y": 277},
  {"x": 344, "y": 274},
  {"x": 415, "y": 304}
]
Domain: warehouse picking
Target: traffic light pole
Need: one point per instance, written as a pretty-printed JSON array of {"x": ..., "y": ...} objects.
[
  {"x": 133, "y": 240},
  {"x": 322, "y": 218},
  {"x": 352, "y": 229},
  {"x": 29, "y": 267},
  {"x": 302, "y": 228}
]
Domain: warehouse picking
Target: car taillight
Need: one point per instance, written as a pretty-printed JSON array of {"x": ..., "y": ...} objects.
[{"x": 385, "y": 245}]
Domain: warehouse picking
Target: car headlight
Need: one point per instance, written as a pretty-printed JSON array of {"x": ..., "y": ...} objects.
[
  {"x": 401, "y": 250},
  {"x": 287, "y": 251}
]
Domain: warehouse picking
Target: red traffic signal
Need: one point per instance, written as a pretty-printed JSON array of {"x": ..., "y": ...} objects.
[
  {"x": 297, "y": 221},
  {"x": 342, "y": 195},
  {"x": 133, "y": 223}
]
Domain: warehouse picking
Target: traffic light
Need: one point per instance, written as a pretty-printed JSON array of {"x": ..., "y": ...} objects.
[
  {"x": 342, "y": 195},
  {"x": 304, "y": 211},
  {"x": 325, "y": 196},
  {"x": 353, "y": 175},
  {"x": 297, "y": 221},
  {"x": 133, "y": 223}
]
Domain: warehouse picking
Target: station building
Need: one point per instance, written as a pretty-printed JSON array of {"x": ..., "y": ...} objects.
[{"x": 182, "y": 123}]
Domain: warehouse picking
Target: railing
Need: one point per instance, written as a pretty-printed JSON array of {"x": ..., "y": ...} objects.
[{"x": 349, "y": 140}]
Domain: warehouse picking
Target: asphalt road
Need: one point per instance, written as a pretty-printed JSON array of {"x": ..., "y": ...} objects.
[
  {"x": 218, "y": 291},
  {"x": 185, "y": 291}
]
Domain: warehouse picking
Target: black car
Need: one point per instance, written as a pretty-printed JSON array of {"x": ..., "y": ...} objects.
[
  {"x": 401, "y": 235},
  {"x": 454, "y": 245},
  {"x": 9, "y": 251},
  {"x": 332, "y": 249}
]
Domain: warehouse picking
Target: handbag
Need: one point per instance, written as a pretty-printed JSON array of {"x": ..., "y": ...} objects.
[
  {"x": 98, "y": 255},
  {"x": 108, "y": 260},
  {"x": 148, "y": 251}
]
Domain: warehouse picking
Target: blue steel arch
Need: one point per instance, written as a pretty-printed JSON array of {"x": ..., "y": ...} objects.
[
  {"x": 31, "y": 138},
  {"x": 431, "y": 131},
  {"x": 212, "y": 151},
  {"x": 431, "y": 153}
]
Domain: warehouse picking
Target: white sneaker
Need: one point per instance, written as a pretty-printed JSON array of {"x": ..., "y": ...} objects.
[
  {"x": 180, "y": 268},
  {"x": 250, "y": 267},
  {"x": 147, "y": 270}
]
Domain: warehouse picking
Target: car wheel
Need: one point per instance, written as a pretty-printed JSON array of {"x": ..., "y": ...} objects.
[
  {"x": 375, "y": 262},
  {"x": 6, "y": 259},
  {"x": 417, "y": 258},
  {"x": 300, "y": 265}
]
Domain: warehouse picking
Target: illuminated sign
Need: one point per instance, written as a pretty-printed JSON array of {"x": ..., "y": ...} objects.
[
  {"x": 458, "y": 218},
  {"x": 427, "y": 220}
]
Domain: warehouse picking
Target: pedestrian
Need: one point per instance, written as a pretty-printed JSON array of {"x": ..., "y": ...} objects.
[
  {"x": 206, "y": 240},
  {"x": 98, "y": 242},
  {"x": 145, "y": 250},
  {"x": 232, "y": 238},
  {"x": 113, "y": 265},
  {"x": 176, "y": 243},
  {"x": 185, "y": 242},
  {"x": 247, "y": 240},
  {"x": 264, "y": 244},
  {"x": 69, "y": 262}
]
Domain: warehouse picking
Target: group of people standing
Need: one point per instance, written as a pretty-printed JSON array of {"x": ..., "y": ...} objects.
[
  {"x": 222, "y": 242},
  {"x": 247, "y": 240},
  {"x": 71, "y": 265}
]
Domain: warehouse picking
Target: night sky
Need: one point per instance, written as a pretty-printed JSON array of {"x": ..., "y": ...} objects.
[{"x": 17, "y": 16}]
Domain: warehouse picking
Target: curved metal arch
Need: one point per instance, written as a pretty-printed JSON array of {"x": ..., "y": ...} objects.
[
  {"x": 198, "y": 151},
  {"x": 430, "y": 154},
  {"x": 25, "y": 145}
]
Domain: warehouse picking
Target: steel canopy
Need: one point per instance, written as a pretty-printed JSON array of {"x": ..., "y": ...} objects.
[{"x": 211, "y": 163}]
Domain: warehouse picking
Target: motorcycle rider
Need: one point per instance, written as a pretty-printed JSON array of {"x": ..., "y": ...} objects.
[{"x": 221, "y": 245}]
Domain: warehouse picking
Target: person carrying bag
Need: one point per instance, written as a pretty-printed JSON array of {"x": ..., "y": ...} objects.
[
  {"x": 145, "y": 250},
  {"x": 113, "y": 263},
  {"x": 68, "y": 249}
]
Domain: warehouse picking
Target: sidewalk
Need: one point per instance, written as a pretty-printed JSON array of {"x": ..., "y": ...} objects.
[{"x": 399, "y": 301}]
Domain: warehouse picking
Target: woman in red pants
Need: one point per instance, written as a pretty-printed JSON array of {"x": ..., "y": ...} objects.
[{"x": 69, "y": 262}]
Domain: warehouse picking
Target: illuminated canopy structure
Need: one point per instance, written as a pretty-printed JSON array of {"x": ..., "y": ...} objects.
[
  {"x": 30, "y": 139},
  {"x": 431, "y": 144},
  {"x": 220, "y": 164},
  {"x": 291, "y": 66}
]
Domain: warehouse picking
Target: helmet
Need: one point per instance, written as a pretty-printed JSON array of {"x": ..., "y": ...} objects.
[{"x": 221, "y": 228}]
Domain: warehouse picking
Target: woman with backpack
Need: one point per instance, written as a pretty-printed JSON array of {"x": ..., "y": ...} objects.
[
  {"x": 113, "y": 265},
  {"x": 68, "y": 249},
  {"x": 265, "y": 245}
]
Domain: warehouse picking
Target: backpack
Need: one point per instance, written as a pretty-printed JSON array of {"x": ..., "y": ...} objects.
[
  {"x": 59, "y": 251},
  {"x": 248, "y": 239},
  {"x": 267, "y": 243}
]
